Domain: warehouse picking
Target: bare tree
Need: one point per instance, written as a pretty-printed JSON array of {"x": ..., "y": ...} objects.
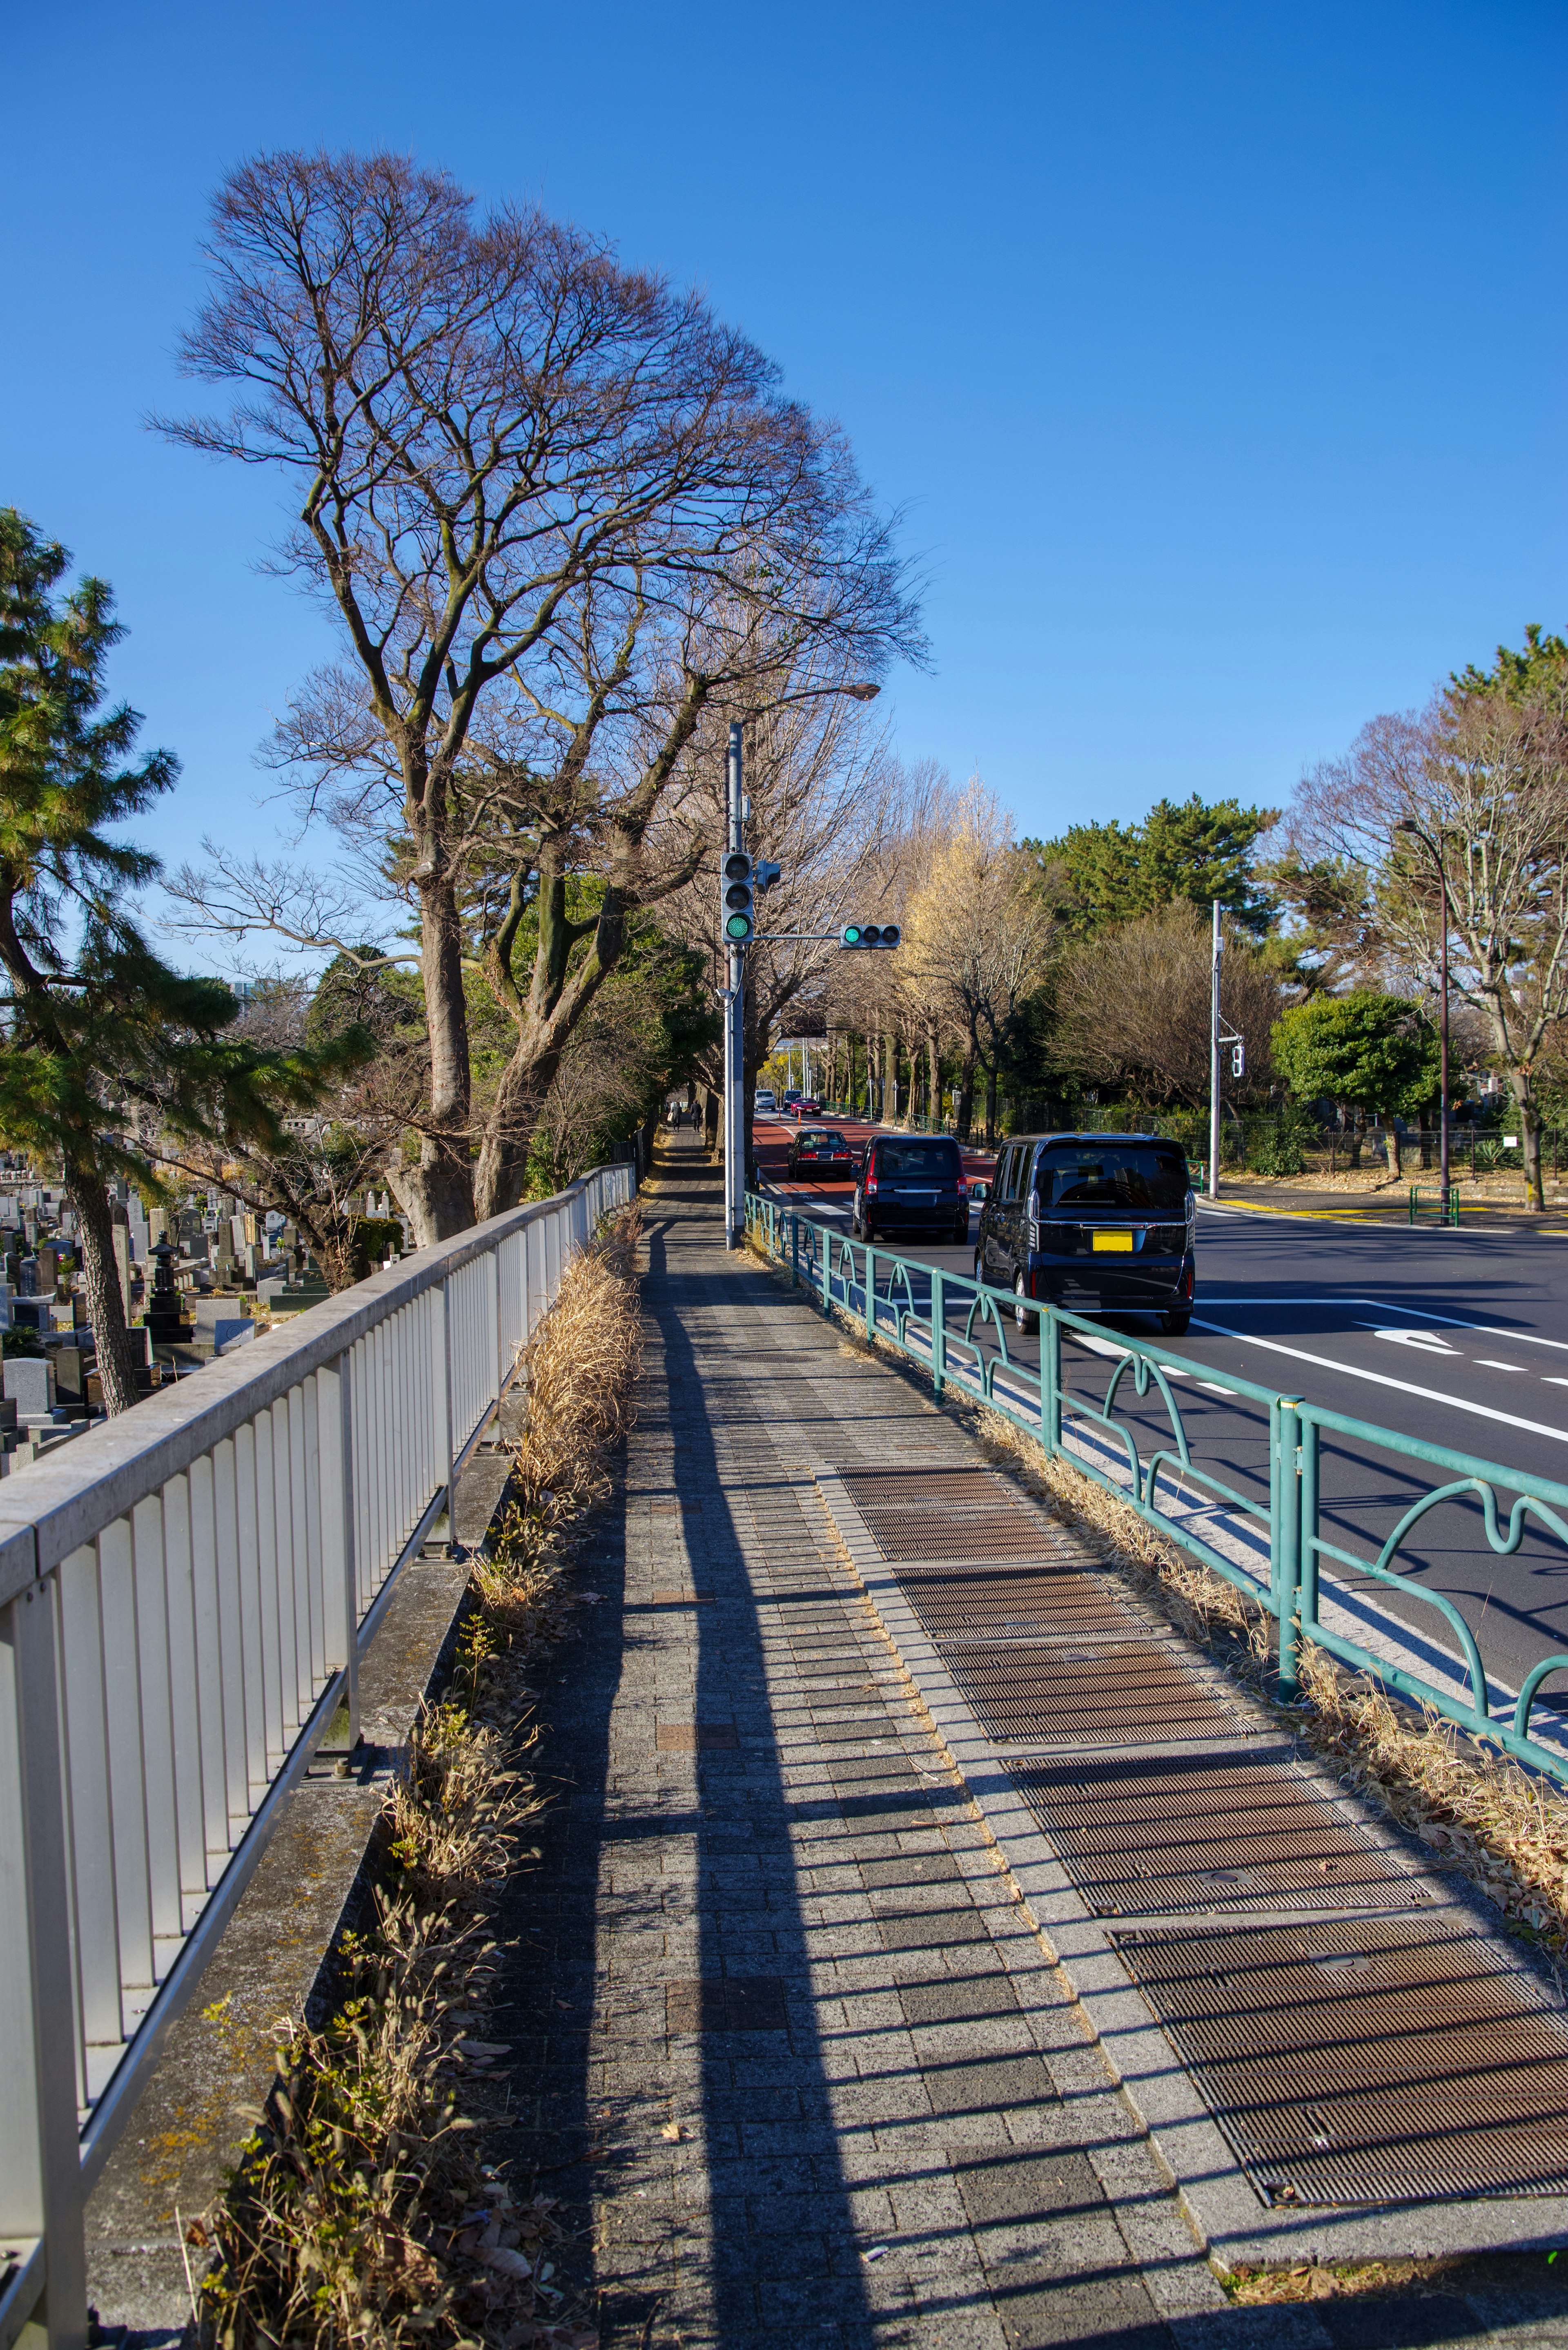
[
  {"x": 528, "y": 477},
  {"x": 1132, "y": 1006},
  {"x": 1461, "y": 815},
  {"x": 978, "y": 935}
]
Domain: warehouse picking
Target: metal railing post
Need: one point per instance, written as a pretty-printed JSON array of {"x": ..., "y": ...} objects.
[
  {"x": 340, "y": 1574},
  {"x": 40, "y": 2164},
  {"x": 1287, "y": 1528},
  {"x": 870, "y": 1291},
  {"x": 939, "y": 1328},
  {"x": 450, "y": 1413},
  {"x": 793, "y": 1250},
  {"x": 1306, "y": 1547},
  {"x": 1051, "y": 1381}
]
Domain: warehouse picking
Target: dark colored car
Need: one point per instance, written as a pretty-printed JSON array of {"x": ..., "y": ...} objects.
[
  {"x": 911, "y": 1183},
  {"x": 805, "y": 1106},
  {"x": 1101, "y": 1224},
  {"x": 819, "y": 1150}
]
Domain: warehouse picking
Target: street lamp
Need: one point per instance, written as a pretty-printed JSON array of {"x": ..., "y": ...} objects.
[
  {"x": 733, "y": 996},
  {"x": 1409, "y": 823}
]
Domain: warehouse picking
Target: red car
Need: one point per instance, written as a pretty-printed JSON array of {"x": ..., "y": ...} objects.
[{"x": 806, "y": 1105}]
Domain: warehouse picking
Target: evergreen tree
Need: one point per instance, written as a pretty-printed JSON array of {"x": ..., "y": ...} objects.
[
  {"x": 103, "y": 1047},
  {"x": 1103, "y": 874}
]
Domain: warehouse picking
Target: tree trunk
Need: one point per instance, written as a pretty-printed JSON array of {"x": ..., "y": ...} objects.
[
  {"x": 966, "y": 1086},
  {"x": 1529, "y": 1138},
  {"x": 991, "y": 1099},
  {"x": 934, "y": 1105},
  {"x": 437, "y": 1195},
  {"x": 105, "y": 1300}
]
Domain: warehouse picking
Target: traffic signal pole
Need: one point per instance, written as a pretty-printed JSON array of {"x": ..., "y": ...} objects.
[
  {"x": 1214, "y": 1059},
  {"x": 734, "y": 1034}
]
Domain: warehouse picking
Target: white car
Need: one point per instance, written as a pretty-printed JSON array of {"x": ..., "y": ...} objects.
[{"x": 763, "y": 1099}]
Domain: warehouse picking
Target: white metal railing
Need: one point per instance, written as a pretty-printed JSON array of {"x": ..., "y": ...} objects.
[{"x": 184, "y": 1597}]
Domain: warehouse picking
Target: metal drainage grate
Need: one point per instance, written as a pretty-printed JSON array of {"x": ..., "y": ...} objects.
[
  {"x": 926, "y": 1513},
  {"x": 1374, "y": 2061},
  {"x": 1206, "y": 1833},
  {"x": 1129, "y": 1694},
  {"x": 1013, "y": 1604}
]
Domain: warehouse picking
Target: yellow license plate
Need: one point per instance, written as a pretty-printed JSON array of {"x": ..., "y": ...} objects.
[{"x": 1113, "y": 1244}]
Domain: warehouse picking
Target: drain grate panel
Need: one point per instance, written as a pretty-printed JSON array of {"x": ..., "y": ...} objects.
[
  {"x": 1129, "y": 1693},
  {"x": 1372, "y": 2062},
  {"x": 1009, "y": 1604},
  {"x": 1146, "y": 1838},
  {"x": 935, "y": 1513}
]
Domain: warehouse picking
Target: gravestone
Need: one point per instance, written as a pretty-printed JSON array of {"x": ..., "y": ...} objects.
[{"x": 30, "y": 1385}]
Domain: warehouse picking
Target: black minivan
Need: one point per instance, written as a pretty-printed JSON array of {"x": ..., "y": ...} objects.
[
  {"x": 1101, "y": 1224},
  {"x": 911, "y": 1183}
]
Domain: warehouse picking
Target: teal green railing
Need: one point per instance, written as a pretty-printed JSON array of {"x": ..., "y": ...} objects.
[
  {"x": 1436, "y": 1212},
  {"x": 880, "y": 1289}
]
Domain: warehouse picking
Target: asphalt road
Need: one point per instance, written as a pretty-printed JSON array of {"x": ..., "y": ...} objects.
[{"x": 1457, "y": 1338}]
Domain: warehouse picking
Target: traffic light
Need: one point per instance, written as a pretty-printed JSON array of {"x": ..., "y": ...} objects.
[
  {"x": 869, "y": 934},
  {"x": 1238, "y": 1059},
  {"x": 735, "y": 885}
]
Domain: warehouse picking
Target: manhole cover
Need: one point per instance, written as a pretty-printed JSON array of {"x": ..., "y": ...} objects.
[
  {"x": 1138, "y": 1838},
  {"x": 1372, "y": 2062},
  {"x": 1131, "y": 1693}
]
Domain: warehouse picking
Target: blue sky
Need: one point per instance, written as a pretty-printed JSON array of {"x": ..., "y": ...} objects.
[{"x": 1214, "y": 353}]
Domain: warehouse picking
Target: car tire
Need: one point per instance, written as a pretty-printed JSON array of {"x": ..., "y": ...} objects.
[
  {"x": 1022, "y": 1314},
  {"x": 979, "y": 1268},
  {"x": 1176, "y": 1325}
]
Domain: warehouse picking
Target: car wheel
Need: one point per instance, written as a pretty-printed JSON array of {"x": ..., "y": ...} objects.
[
  {"x": 1176, "y": 1325},
  {"x": 1021, "y": 1315},
  {"x": 979, "y": 1268}
]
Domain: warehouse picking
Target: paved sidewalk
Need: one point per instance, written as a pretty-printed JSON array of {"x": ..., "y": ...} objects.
[{"x": 785, "y": 2044}]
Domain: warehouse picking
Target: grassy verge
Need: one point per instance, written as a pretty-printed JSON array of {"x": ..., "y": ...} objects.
[{"x": 363, "y": 2214}]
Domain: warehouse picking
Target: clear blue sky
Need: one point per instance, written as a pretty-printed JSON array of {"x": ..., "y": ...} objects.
[{"x": 1214, "y": 352}]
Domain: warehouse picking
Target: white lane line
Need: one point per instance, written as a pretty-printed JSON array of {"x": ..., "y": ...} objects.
[
  {"x": 1415, "y": 1312},
  {"x": 1214, "y": 1387},
  {"x": 1382, "y": 1379},
  {"x": 1485, "y": 1363}
]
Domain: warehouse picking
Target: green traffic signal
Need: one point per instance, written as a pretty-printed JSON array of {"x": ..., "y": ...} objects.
[
  {"x": 739, "y": 926},
  {"x": 869, "y": 934},
  {"x": 852, "y": 935}
]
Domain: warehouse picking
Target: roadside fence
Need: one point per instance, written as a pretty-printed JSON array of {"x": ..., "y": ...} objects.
[
  {"x": 941, "y": 1318},
  {"x": 185, "y": 1594}
]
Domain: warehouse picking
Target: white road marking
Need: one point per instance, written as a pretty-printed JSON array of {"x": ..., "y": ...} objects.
[
  {"x": 1485, "y": 1363},
  {"x": 1215, "y": 1388},
  {"x": 1425, "y": 1342},
  {"x": 1382, "y": 1379},
  {"x": 1416, "y": 1313}
]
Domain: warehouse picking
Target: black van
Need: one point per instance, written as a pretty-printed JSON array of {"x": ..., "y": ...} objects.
[
  {"x": 911, "y": 1183},
  {"x": 1101, "y": 1224}
]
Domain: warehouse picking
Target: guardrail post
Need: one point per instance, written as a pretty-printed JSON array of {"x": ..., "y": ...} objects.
[
  {"x": 939, "y": 1328},
  {"x": 870, "y": 1291},
  {"x": 1286, "y": 1516},
  {"x": 1307, "y": 1520},
  {"x": 1051, "y": 1381},
  {"x": 793, "y": 1250},
  {"x": 445, "y": 1371},
  {"x": 340, "y": 1579},
  {"x": 40, "y": 2164}
]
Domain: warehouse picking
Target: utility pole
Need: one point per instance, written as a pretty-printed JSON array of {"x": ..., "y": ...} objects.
[
  {"x": 1214, "y": 1058},
  {"x": 734, "y": 1033}
]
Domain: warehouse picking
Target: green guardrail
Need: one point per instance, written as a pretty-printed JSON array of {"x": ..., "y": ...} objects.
[
  {"x": 879, "y": 1288},
  {"x": 1435, "y": 1213}
]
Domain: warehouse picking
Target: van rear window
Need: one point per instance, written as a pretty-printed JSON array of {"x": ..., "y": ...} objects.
[
  {"x": 1105, "y": 1179},
  {"x": 936, "y": 1156}
]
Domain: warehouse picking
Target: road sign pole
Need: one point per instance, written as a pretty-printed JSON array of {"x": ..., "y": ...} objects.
[
  {"x": 734, "y": 1030},
  {"x": 1214, "y": 1060}
]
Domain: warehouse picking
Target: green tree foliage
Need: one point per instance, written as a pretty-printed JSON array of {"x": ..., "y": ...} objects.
[
  {"x": 103, "y": 1047},
  {"x": 1102, "y": 874},
  {"x": 1364, "y": 1049},
  {"x": 1535, "y": 678}
]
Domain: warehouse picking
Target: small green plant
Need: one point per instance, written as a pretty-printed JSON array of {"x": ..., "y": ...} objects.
[{"x": 1279, "y": 1153}]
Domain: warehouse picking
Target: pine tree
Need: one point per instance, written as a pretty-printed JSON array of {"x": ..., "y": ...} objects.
[{"x": 103, "y": 1046}]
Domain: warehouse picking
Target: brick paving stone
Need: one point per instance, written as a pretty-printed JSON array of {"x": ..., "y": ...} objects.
[{"x": 922, "y": 2146}]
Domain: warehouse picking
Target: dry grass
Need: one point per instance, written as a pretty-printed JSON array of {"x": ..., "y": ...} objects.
[{"x": 362, "y": 2216}]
